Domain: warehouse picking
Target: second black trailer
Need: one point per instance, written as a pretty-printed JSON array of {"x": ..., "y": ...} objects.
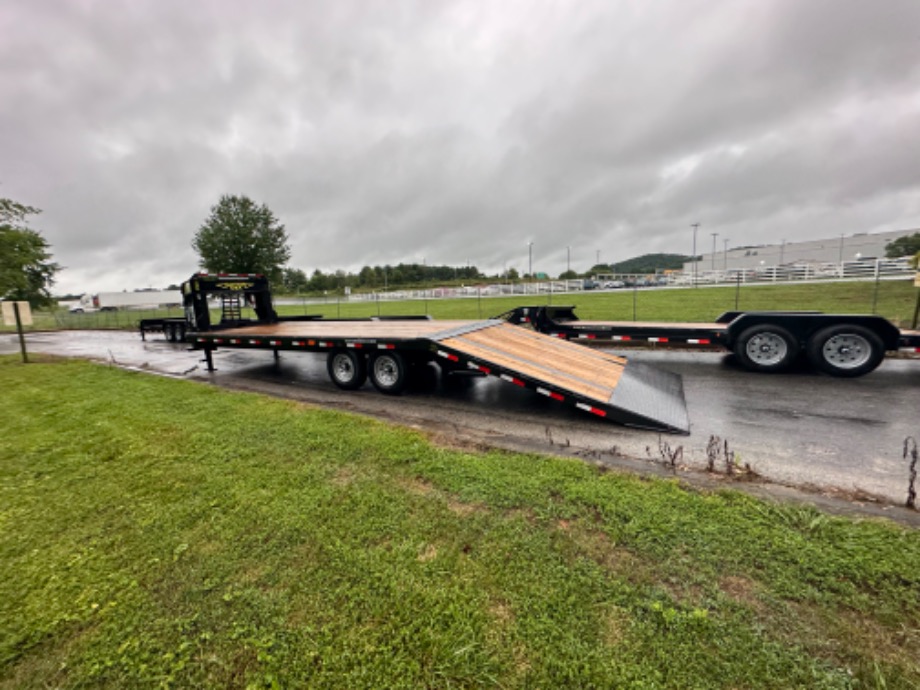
[{"x": 770, "y": 341}]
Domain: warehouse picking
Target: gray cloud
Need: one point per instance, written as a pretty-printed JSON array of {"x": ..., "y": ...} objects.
[{"x": 455, "y": 131}]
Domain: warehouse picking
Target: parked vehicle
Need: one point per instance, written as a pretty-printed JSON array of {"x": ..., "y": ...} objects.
[{"x": 113, "y": 301}]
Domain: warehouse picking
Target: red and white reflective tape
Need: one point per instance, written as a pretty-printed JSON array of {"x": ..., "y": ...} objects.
[
  {"x": 478, "y": 367},
  {"x": 218, "y": 341},
  {"x": 202, "y": 340},
  {"x": 701, "y": 341},
  {"x": 550, "y": 394},
  {"x": 235, "y": 341},
  {"x": 274, "y": 342},
  {"x": 588, "y": 336},
  {"x": 356, "y": 346},
  {"x": 915, "y": 350},
  {"x": 447, "y": 355},
  {"x": 592, "y": 410},
  {"x": 386, "y": 346},
  {"x": 622, "y": 337},
  {"x": 511, "y": 379},
  {"x": 298, "y": 343},
  {"x": 657, "y": 340},
  {"x": 557, "y": 335},
  {"x": 255, "y": 342}
]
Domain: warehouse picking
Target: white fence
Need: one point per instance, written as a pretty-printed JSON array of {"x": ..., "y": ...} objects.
[{"x": 878, "y": 269}]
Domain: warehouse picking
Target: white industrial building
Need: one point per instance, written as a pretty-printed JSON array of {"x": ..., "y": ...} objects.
[{"x": 857, "y": 247}]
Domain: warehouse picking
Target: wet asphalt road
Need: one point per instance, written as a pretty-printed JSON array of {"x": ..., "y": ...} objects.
[{"x": 798, "y": 429}]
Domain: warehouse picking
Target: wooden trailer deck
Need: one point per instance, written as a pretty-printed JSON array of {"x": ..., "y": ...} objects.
[{"x": 595, "y": 381}]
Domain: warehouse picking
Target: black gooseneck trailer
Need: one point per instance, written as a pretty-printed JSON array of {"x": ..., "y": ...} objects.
[{"x": 218, "y": 309}]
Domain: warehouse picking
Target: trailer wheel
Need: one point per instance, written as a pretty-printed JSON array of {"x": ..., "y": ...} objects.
[
  {"x": 846, "y": 351},
  {"x": 766, "y": 348},
  {"x": 169, "y": 330},
  {"x": 388, "y": 372},
  {"x": 347, "y": 369}
]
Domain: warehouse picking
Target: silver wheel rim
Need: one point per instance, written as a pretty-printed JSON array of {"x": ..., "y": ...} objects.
[
  {"x": 767, "y": 349},
  {"x": 846, "y": 351},
  {"x": 343, "y": 368},
  {"x": 386, "y": 372}
]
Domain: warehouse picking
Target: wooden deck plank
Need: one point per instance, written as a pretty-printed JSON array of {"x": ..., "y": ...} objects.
[
  {"x": 625, "y": 325},
  {"x": 561, "y": 365},
  {"x": 378, "y": 330}
]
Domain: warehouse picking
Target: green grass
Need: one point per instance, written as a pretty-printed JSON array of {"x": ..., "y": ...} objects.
[
  {"x": 156, "y": 532},
  {"x": 895, "y": 300}
]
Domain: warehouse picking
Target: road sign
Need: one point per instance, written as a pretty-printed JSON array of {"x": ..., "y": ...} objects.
[{"x": 9, "y": 313}]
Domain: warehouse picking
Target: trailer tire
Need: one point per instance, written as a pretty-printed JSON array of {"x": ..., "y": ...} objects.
[
  {"x": 347, "y": 369},
  {"x": 169, "y": 331},
  {"x": 388, "y": 372},
  {"x": 845, "y": 351},
  {"x": 766, "y": 348}
]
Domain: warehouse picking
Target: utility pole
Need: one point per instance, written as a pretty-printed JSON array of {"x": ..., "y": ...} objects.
[
  {"x": 530, "y": 260},
  {"x": 714, "y": 236},
  {"x": 695, "y": 226},
  {"x": 725, "y": 254},
  {"x": 568, "y": 259},
  {"x": 782, "y": 251}
]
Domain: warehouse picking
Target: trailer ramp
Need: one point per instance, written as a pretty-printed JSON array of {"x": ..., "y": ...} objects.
[{"x": 609, "y": 386}]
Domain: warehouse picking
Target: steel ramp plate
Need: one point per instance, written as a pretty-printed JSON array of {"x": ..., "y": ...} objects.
[{"x": 650, "y": 398}]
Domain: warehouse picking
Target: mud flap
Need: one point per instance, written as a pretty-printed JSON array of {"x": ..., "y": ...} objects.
[{"x": 649, "y": 398}]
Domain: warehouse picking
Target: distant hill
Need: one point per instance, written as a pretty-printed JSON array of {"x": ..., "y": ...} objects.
[{"x": 649, "y": 263}]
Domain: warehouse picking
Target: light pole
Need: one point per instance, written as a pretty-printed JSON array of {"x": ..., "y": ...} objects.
[
  {"x": 695, "y": 226},
  {"x": 840, "y": 257},
  {"x": 714, "y": 236},
  {"x": 530, "y": 260},
  {"x": 568, "y": 259},
  {"x": 725, "y": 254},
  {"x": 782, "y": 251}
]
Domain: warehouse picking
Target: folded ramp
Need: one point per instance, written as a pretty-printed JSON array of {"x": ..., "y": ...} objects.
[{"x": 592, "y": 380}]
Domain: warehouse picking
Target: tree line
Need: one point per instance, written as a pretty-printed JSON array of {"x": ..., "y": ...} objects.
[{"x": 294, "y": 280}]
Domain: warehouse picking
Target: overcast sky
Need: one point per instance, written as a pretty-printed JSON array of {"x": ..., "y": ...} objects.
[{"x": 454, "y": 132}]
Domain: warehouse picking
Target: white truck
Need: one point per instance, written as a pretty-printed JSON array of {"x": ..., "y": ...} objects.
[{"x": 113, "y": 301}]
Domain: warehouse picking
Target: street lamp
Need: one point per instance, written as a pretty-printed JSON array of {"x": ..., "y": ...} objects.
[
  {"x": 568, "y": 259},
  {"x": 695, "y": 226},
  {"x": 782, "y": 251},
  {"x": 714, "y": 236},
  {"x": 725, "y": 254}
]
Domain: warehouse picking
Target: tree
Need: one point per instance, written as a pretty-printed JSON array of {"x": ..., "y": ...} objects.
[
  {"x": 903, "y": 246},
  {"x": 294, "y": 280},
  {"x": 241, "y": 237},
  {"x": 568, "y": 275},
  {"x": 26, "y": 269}
]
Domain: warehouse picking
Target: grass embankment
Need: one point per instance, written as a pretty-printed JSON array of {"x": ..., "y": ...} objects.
[{"x": 160, "y": 532}]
